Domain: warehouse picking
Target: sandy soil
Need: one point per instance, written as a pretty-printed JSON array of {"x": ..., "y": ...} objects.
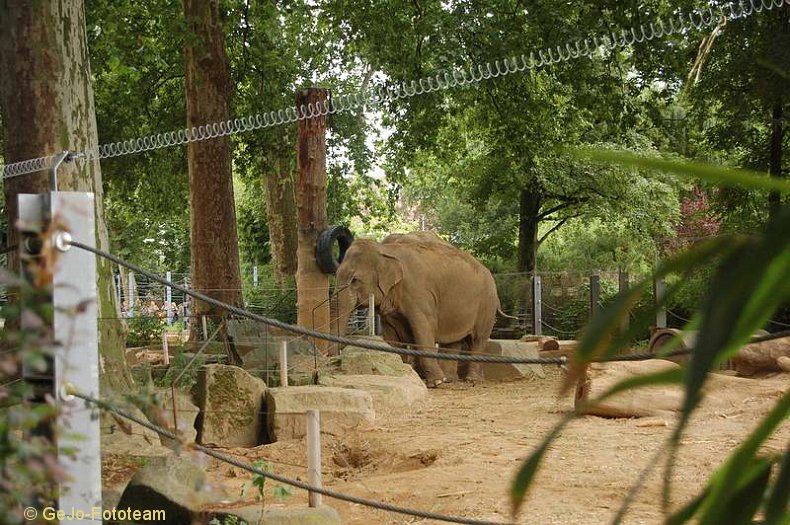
[{"x": 457, "y": 453}]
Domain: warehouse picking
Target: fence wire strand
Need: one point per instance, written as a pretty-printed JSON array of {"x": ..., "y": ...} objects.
[
  {"x": 676, "y": 24},
  {"x": 104, "y": 405}
]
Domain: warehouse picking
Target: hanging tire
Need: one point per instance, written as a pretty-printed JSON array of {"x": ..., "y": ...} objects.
[{"x": 324, "y": 255}]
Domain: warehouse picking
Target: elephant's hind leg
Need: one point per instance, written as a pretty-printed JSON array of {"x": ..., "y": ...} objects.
[{"x": 475, "y": 369}]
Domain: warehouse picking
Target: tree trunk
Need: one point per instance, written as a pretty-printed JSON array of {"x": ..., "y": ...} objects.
[
  {"x": 312, "y": 285},
  {"x": 528, "y": 212},
  {"x": 775, "y": 166},
  {"x": 281, "y": 217},
  {"x": 47, "y": 107},
  {"x": 213, "y": 239}
]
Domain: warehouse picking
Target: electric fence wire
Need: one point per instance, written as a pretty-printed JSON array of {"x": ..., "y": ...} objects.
[
  {"x": 104, "y": 405},
  {"x": 677, "y": 24}
]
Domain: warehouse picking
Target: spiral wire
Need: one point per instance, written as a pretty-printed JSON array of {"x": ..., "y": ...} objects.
[{"x": 680, "y": 23}]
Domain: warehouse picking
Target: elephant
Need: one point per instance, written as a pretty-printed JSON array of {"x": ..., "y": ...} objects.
[{"x": 426, "y": 291}]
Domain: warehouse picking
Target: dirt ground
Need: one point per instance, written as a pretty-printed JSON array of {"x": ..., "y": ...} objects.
[{"x": 457, "y": 453}]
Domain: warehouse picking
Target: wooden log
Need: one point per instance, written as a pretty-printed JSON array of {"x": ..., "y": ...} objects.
[
  {"x": 761, "y": 358},
  {"x": 721, "y": 391},
  {"x": 544, "y": 342}
]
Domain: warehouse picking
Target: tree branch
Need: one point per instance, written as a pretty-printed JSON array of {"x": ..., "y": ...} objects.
[{"x": 553, "y": 229}]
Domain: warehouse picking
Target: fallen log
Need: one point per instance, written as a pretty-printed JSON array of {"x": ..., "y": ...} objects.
[
  {"x": 544, "y": 342},
  {"x": 761, "y": 358},
  {"x": 662, "y": 400}
]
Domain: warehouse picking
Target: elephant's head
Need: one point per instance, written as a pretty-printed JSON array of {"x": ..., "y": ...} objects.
[{"x": 369, "y": 268}]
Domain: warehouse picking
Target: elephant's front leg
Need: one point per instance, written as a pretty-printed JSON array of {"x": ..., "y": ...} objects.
[{"x": 425, "y": 339}]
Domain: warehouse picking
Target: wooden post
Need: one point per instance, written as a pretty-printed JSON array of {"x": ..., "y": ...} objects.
[
  {"x": 284, "y": 364},
  {"x": 255, "y": 276},
  {"x": 205, "y": 327},
  {"x": 165, "y": 350},
  {"x": 595, "y": 294},
  {"x": 131, "y": 293},
  {"x": 312, "y": 285},
  {"x": 314, "y": 456},
  {"x": 372, "y": 315}
]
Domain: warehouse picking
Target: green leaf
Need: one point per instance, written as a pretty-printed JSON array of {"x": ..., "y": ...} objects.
[
  {"x": 779, "y": 498},
  {"x": 750, "y": 284},
  {"x": 529, "y": 468},
  {"x": 730, "y": 476},
  {"x": 719, "y": 175}
]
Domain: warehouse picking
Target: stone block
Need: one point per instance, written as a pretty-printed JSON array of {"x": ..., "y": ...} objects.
[
  {"x": 255, "y": 515},
  {"x": 511, "y": 348},
  {"x": 340, "y": 408},
  {"x": 356, "y": 360},
  {"x": 389, "y": 393},
  {"x": 231, "y": 407}
]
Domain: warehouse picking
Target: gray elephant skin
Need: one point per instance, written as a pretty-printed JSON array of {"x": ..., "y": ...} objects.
[{"x": 426, "y": 291}]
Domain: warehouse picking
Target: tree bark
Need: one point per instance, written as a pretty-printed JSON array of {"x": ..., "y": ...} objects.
[
  {"x": 775, "y": 166},
  {"x": 529, "y": 209},
  {"x": 47, "y": 106},
  {"x": 281, "y": 218},
  {"x": 312, "y": 285},
  {"x": 213, "y": 238}
]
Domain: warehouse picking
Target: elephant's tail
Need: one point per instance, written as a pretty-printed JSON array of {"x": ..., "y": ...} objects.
[{"x": 503, "y": 314}]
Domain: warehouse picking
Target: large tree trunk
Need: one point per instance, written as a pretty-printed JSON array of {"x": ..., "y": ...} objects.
[
  {"x": 775, "y": 166},
  {"x": 213, "y": 240},
  {"x": 281, "y": 217},
  {"x": 47, "y": 106},
  {"x": 312, "y": 285},
  {"x": 529, "y": 210}
]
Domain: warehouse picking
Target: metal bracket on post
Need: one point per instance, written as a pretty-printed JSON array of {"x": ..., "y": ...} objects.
[
  {"x": 53, "y": 170},
  {"x": 76, "y": 357}
]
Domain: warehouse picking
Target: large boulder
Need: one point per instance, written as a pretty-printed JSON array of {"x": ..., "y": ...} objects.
[
  {"x": 340, "y": 408},
  {"x": 173, "y": 486},
  {"x": 389, "y": 393},
  {"x": 256, "y": 515},
  {"x": 231, "y": 407}
]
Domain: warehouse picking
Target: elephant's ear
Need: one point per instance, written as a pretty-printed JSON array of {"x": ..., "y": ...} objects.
[{"x": 390, "y": 272}]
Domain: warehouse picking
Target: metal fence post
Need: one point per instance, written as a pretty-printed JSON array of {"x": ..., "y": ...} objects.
[
  {"x": 131, "y": 292},
  {"x": 372, "y": 315},
  {"x": 622, "y": 282},
  {"x": 661, "y": 313},
  {"x": 284, "y": 364},
  {"x": 595, "y": 294},
  {"x": 75, "y": 364},
  {"x": 537, "y": 306},
  {"x": 255, "y": 276},
  {"x": 169, "y": 299}
]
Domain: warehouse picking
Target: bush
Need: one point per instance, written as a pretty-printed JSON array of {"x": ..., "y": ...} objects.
[{"x": 144, "y": 329}]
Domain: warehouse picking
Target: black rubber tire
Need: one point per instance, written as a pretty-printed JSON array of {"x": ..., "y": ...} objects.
[{"x": 323, "y": 247}]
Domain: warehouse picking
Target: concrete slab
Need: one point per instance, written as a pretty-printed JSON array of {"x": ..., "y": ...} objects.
[
  {"x": 389, "y": 393},
  {"x": 340, "y": 408}
]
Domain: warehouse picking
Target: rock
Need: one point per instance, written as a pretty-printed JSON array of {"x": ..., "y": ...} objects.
[
  {"x": 361, "y": 361},
  {"x": 175, "y": 485},
  {"x": 141, "y": 442},
  {"x": 783, "y": 363},
  {"x": 511, "y": 348},
  {"x": 762, "y": 358},
  {"x": 231, "y": 406},
  {"x": 110, "y": 497},
  {"x": 341, "y": 408},
  {"x": 389, "y": 393},
  {"x": 186, "y": 412},
  {"x": 255, "y": 515}
]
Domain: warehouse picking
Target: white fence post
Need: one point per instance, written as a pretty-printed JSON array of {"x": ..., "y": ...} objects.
[
  {"x": 75, "y": 363},
  {"x": 284, "y": 364},
  {"x": 205, "y": 327},
  {"x": 313, "y": 431},
  {"x": 131, "y": 292},
  {"x": 255, "y": 276}
]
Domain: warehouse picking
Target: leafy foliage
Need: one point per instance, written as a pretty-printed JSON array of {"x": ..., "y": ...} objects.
[{"x": 750, "y": 282}]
